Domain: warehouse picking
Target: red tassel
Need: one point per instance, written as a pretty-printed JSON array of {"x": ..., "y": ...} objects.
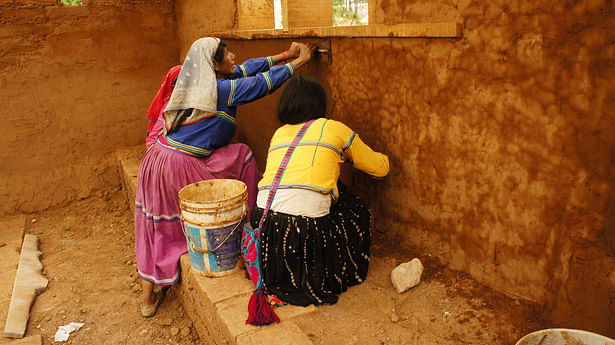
[{"x": 260, "y": 312}]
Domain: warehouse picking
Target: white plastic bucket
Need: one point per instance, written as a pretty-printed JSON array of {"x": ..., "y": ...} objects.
[
  {"x": 212, "y": 212},
  {"x": 564, "y": 336}
]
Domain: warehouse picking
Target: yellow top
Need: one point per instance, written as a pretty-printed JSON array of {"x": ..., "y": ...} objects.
[{"x": 315, "y": 164}]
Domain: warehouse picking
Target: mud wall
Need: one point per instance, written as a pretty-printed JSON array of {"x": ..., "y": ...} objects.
[
  {"x": 76, "y": 83},
  {"x": 501, "y": 142}
]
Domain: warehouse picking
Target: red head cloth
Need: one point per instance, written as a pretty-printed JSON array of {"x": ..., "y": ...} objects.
[{"x": 162, "y": 97}]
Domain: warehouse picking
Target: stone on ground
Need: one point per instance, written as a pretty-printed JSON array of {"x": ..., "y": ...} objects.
[{"x": 407, "y": 275}]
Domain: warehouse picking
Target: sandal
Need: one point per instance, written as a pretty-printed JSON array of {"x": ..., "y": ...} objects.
[{"x": 149, "y": 310}]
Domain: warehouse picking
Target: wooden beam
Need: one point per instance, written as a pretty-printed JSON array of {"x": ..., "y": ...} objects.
[
  {"x": 416, "y": 30},
  {"x": 11, "y": 239},
  {"x": 284, "y": 16},
  {"x": 29, "y": 282}
]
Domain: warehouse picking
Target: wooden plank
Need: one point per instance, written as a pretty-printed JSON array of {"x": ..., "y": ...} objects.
[
  {"x": 11, "y": 238},
  {"x": 29, "y": 282},
  {"x": 285, "y": 15},
  {"x": 411, "y": 30}
]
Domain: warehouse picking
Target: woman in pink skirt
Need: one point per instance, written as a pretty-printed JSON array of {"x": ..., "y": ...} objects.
[{"x": 194, "y": 145}]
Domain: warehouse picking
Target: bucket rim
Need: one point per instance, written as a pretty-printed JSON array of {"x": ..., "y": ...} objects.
[
  {"x": 190, "y": 207},
  {"x": 238, "y": 196},
  {"x": 599, "y": 337}
]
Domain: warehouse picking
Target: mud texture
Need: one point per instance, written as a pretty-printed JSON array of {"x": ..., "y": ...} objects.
[
  {"x": 76, "y": 85},
  {"x": 500, "y": 142}
]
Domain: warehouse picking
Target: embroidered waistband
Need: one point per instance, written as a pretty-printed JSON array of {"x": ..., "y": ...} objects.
[{"x": 170, "y": 144}]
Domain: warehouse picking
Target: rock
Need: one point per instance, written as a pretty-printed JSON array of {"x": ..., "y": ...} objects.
[
  {"x": 185, "y": 331},
  {"x": 407, "y": 275},
  {"x": 166, "y": 321},
  {"x": 174, "y": 331},
  {"x": 394, "y": 317}
]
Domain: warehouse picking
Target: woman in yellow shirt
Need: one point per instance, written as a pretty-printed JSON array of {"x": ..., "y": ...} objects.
[{"x": 315, "y": 238}]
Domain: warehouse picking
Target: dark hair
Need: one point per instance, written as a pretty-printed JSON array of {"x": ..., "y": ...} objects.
[
  {"x": 303, "y": 99},
  {"x": 184, "y": 113},
  {"x": 219, "y": 56}
]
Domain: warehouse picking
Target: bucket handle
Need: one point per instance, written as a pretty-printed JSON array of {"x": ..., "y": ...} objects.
[{"x": 206, "y": 251}]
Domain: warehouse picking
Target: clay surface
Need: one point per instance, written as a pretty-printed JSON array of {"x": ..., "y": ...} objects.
[
  {"x": 500, "y": 142},
  {"x": 88, "y": 255},
  {"x": 76, "y": 85}
]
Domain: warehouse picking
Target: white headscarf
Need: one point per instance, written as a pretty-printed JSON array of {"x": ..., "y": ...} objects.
[{"x": 196, "y": 85}]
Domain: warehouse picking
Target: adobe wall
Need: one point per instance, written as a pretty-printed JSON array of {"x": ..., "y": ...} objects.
[
  {"x": 76, "y": 83},
  {"x": 501, "y": 142},
  {"x": 505, "y": 145}
]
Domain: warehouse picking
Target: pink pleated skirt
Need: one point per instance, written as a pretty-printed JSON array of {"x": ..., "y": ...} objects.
[{"x": 159, "y": 238}]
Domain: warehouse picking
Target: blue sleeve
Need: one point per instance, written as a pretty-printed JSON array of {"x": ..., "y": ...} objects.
[
  {"x": 234, "y": 92},
  {"x": 252, "y": 67}
]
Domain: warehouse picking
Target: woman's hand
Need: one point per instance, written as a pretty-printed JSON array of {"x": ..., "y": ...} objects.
[
  {"x": 306, "y": 51},
  {"x": 293, "y": 51}
]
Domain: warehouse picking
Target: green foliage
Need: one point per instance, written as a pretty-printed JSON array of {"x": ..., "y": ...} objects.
[
  {"x": 71, "y": 2},
  {"x": 344, "y": 16}
]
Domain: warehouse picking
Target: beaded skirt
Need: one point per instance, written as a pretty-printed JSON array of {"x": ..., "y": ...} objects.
[{"x": 308, "y": 260}]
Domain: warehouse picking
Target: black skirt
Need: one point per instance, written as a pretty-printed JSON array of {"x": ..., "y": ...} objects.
[{"x": 308, "y": 260}]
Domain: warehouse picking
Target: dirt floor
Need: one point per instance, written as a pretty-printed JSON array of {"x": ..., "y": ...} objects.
[
  {"x": 447, "y": 307},
  {"x": 88, "y": 255}
]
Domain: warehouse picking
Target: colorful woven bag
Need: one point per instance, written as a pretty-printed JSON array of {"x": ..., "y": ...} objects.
[{"x": 260, "y": 313}]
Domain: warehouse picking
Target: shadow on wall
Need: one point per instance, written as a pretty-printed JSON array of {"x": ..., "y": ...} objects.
[{"x": 500, "y": 146}]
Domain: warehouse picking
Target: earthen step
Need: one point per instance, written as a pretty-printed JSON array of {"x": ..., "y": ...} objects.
[
  {"x": 128, "y": 161},
  {"x": 218, "y": 306}
]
